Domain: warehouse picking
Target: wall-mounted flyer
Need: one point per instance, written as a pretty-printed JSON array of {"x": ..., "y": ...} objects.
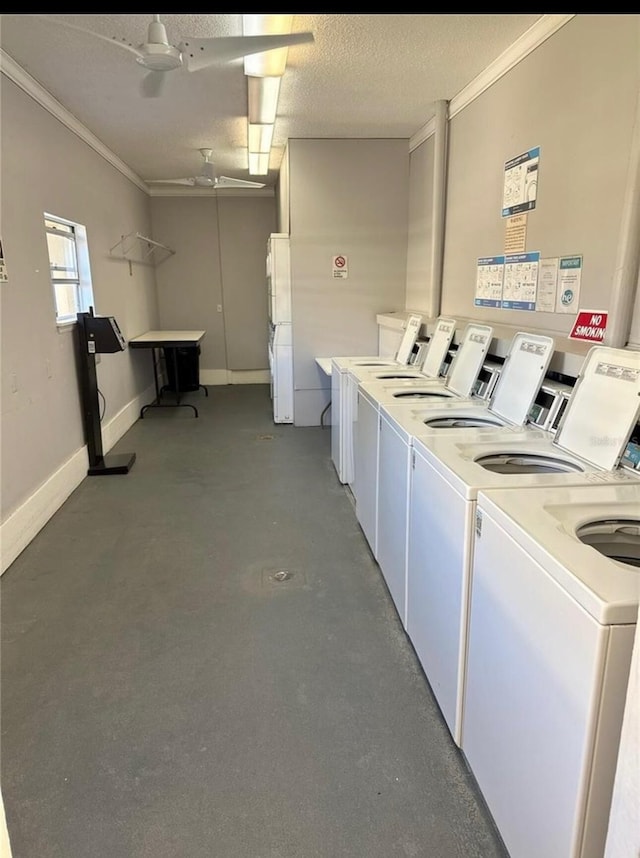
[
  {"x": 489, "y": 277},
  {"x": 569, "y": 279},
  {"x": 521, "y": 183},
  {"x": 520, "y": 281},
  {"x": 4, "y": 277},
  {"x": 559, "y": 280}
]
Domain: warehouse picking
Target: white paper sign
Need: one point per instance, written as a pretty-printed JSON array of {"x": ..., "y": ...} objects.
[
  {"x": 340, "y": 267},
  {"x": 569, "y": 279}
]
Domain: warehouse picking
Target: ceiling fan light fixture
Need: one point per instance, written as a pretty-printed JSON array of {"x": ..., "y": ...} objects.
[
  {"x": 263, "y": 94},
  {"x": 159, "y": 57},
  {"x": 258, "y": 163},
  {"x": 268, "y": 63}
]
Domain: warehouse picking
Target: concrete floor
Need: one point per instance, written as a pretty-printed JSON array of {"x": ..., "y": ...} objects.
[{"x": 165, "y": 695}]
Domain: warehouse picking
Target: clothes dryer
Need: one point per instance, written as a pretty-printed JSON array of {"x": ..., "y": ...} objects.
[
  {"x": 449, "y": 471},
  {"x": 339, "y": 369},
  {"x": 434, "y": 358},
  {"x": 555, "y": 586}
]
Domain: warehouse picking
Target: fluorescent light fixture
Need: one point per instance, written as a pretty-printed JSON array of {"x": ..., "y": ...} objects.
[
  {"x": 267, "y": 63},
  {"x": 260, "y": 137},
  {"x": 263, "y": 93},
  {"x": 258, "y": 163}
]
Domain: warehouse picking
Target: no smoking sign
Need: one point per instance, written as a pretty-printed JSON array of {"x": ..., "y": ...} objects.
[{"x": 340, "y": 267}]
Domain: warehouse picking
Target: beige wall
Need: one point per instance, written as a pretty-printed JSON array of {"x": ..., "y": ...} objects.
[
  {"x": 575, "y": 97},
  {"x": 220, "y": 258},
  {"x": 419, "y": 286},
  {"x": 346, "y": 197},
  {"x": 45, "y": 167}
]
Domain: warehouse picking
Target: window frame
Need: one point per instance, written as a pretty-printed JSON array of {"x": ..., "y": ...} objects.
[{"x": 84, "y": 298}]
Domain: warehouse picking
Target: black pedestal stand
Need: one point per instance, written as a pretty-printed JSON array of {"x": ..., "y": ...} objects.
[{"x": 116, "y": 463}]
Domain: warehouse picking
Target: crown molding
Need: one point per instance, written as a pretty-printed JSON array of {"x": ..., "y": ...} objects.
[
  {"x": 543, "y": 29},
  {"x": 207, "y": 192},
  {"x": 10, "y": 68}
]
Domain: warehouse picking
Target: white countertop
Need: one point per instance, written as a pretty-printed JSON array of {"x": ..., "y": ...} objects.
[{"x": 324, "y": 364}]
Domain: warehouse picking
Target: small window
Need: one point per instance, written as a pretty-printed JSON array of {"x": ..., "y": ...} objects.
[{"x": 69, "y": 266}]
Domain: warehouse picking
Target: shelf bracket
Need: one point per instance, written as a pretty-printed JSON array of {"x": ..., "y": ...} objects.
[{"x": 136, "y": 247}]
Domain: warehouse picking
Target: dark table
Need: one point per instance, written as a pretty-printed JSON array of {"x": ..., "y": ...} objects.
[{"x": 165, "y": 340}]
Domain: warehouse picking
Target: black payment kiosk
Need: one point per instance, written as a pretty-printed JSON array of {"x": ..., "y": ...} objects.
[{"x": 98, "y": 335}]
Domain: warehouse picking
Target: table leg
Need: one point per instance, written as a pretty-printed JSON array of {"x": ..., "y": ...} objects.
[{"x": 176, "y": 381}]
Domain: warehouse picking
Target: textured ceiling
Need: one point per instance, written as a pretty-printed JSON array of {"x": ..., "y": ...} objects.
[{"x": 364, "y": 76}]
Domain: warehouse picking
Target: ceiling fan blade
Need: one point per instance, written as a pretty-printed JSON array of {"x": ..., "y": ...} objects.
[
  {"x": 111, "y": 39},
  {"x": 190, "y": 182},
  {"x": 228, "y": 182},
  {"x": 152, "y": 84},
  {"x": 202, "y": 53}
]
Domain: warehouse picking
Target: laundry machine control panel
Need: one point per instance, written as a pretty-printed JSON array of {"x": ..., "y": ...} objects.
[
  {"x": 631, "y": 457},
  {"x": 549, "y": 405},
  {"x": 487, "y": 379}
]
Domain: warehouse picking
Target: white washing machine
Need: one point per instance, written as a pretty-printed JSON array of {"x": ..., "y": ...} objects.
[
  {"x": 449, "y": 471},
  {"x": 390, "y": 462},
  {"x": 554, "y": 602},
  {"x": 339, "y": 369},
  {"x": 434, "y": 358},
  {"x": 459, "y": 383}
]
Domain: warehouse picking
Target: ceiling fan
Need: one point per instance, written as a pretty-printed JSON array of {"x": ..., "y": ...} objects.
[
  {"x": 159, "y": 56},
  {"x": 207, "y": 177}
]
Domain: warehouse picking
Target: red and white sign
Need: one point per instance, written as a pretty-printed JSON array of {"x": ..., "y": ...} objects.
[
  {"x": 340, "y": 267},
  {"x": 589, "y": 325}
]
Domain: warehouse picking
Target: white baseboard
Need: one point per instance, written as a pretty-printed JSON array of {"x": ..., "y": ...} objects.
[
  {"x": 230, "y": 376},
  {"x": 17, "y": 531}
]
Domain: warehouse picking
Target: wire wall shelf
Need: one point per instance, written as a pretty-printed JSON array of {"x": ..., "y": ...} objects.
[{"x": 139, "y": 248}]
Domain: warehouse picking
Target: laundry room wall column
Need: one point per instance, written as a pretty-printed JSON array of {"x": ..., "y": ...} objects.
[
  {"x": 438, "y": 206},
  {"x": 625, "y": 276}
]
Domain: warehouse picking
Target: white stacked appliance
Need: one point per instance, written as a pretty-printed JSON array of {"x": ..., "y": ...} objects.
[
  {"x": 340, "y": 422},
  {"x": 280, "y": 329},
  {"x": 448, "y": 472}
]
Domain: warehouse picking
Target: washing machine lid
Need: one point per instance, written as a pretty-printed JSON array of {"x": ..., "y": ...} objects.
[
  {"x": 522, "y": 373},
  {"x": 343, "y": 364},
  {"x": 469, "y": 358},
  {"x": 603, "y": 408},
  {"x": 438, "y": 347},
  {"x": 409, "y": 338}
]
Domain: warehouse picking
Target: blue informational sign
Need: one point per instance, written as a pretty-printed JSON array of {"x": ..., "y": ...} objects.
[
  {"x": 489, "y": 277},
  {"x": 520, "y": 281},
  {"x": 521, "y": 183}
]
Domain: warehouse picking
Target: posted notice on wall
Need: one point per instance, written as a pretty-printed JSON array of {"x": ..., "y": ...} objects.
[
  {"x": 589, "y": 325},
  {"x": 4, "y": 277},
  {"x": 520, "y": 280},
  {"x": 520, "y": 190},
  {"x": 559, "y": 280},
  {"x": 340, "y": 267},
  {"x": 489, "y": 278},
  {"x": 569, "y": 279},
  {"x": 515, "y": 234}
]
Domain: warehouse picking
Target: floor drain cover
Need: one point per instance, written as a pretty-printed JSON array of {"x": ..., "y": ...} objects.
[{"x": 277, "y": 578}]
